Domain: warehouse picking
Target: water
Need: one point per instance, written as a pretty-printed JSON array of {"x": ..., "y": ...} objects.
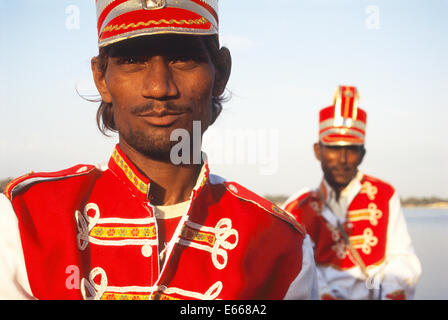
[{"x": 428, "y": 229}]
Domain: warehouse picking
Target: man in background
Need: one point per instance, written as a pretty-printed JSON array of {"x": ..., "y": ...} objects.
[
  {"x": 362, "y": 247},
  {"x": 147, "y": 226}
]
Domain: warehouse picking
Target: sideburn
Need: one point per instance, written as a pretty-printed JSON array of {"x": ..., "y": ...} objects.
[{"x": 104, "y": 116}]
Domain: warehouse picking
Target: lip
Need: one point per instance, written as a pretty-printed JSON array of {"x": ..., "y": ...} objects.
[
  {"x": 341, "y": 171},
  {"x": 162, "y": 119}
]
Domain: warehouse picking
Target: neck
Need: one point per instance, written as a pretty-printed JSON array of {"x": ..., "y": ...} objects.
[
  {"x": 170, "y": 183},
  {"x": 338, "y": 189}
]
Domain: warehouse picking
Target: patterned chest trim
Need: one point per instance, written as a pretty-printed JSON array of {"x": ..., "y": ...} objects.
[
  {"x": 216, "y": 240},
  {"x": 372, "y": 213},
  {"x": 96, "y": 287},
  {"x": 198, "y": 236},
  {"x": 112, "y": 231},
  {"x": 132, "y": 177},
  {"x": 124, "y": 296},
  {"x": 123, "y": 232}
]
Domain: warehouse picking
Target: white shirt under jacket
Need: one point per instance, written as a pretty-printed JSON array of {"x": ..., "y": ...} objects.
[{"x": 401, "y": 268}]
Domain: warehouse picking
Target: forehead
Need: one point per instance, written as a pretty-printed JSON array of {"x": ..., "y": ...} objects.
[{"x": 159, "y": 45}]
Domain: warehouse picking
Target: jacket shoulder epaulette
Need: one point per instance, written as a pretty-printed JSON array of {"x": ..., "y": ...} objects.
[
  {"x": 377, "y": 181},
  {"x": 300, "y": 199},
  {"x": 35, "y": 177},
  {"x": 309, "y": 196},
  {"x": 246, "y": 195}
]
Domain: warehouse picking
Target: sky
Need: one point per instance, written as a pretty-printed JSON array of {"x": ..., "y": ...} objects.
[{"x": 288, "y": 58}]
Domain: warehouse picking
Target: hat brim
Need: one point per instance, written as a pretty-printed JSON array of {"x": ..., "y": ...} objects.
[{"x": 341, "y": 140}]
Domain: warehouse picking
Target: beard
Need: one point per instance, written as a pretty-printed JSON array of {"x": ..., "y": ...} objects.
[
  {"x": 339, "y": 176},
  {"x": 155, "y": 142},
  {"x": 155, "y": 145}
]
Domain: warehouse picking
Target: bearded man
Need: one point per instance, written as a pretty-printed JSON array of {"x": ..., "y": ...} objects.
[{"x": 146, "y": 226}]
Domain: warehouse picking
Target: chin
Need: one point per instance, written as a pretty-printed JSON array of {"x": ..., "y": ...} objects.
[
  {"x": 343, "y": 181},
  {"x": 156, "y": 146}
]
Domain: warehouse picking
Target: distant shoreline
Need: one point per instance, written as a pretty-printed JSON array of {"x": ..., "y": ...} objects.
[
  {"x": 411, "y": 202},
  {"x": 435, "y": 205}
]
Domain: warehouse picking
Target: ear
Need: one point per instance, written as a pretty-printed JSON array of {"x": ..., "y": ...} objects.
[
  {"x": 317, "y": 150},
  {"x": 215, "y": 113},
  {"x": 223, "y": 70},
  {"x": 100, "y": 81},
  {"x": 363, "y": 153}
]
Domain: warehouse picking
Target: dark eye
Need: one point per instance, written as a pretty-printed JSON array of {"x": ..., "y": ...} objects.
[
  {"x": 180, "y": 58},
  {"x": 187, "y": 60},
  {"x": 357, "y": 149},
  {"x": 130, "y": 60}
]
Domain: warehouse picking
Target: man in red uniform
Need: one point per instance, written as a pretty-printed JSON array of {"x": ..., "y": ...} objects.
[
  {"x": 361, "y": 243},
  {"x": 146, "y": 226}
]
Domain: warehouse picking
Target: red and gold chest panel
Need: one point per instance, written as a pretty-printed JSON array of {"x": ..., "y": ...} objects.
[
  {"x": 99, "y": 223},
  {"x": 365, "y": 225}
]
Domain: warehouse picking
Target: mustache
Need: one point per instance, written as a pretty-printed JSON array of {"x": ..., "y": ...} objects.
[
  {"x": 340, "y": 167},
  {"x": 151, "y": 107}
]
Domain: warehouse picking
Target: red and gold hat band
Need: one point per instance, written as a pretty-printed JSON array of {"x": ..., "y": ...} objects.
[{"x": 123, "y": 19}]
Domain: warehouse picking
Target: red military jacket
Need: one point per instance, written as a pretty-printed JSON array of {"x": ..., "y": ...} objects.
[
  {"x": 231, "y": 244},
  {"x": 366, "y": 225},
  {"x": 362, "y": 247}
]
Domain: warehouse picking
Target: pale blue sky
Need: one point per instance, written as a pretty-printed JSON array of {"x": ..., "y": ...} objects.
[{"x": 288, "y": 58}]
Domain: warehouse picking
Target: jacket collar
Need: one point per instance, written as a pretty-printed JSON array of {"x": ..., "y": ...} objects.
[
  {"x": 347, "y": 195},
  {"x": 120, "y": 164}
]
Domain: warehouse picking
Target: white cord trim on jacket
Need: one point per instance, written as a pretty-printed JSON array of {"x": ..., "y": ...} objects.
[
  {"x": 223, "y": 231},
  {"x": 95, "y": 291},
  {"x": 86, "y": 223},
  {"x": 211, "y": 294}
]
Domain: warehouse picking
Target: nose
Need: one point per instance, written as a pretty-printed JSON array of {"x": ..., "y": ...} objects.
[
  {"x": 158, "y": 82},
  {"x": 343, "y": 155}
]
